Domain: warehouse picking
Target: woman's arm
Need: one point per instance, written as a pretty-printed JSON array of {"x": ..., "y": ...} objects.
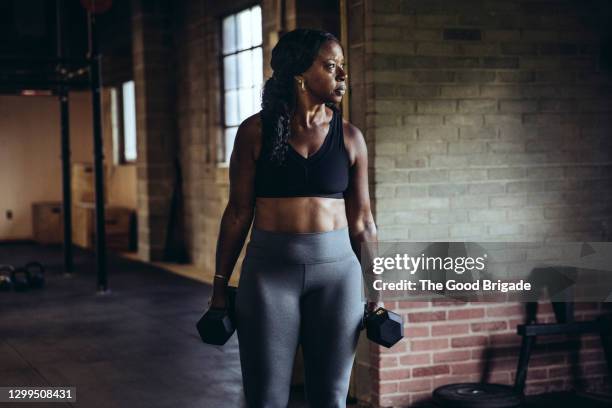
[
  {"x": 238, "y": 213},
  {"x": 362, "y": 228}
]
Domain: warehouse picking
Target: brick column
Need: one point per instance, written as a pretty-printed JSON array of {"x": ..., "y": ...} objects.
[{"x": 154, "y": 82}]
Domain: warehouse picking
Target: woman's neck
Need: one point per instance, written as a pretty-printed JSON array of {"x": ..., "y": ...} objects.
[{"x": 308, "y": 114}]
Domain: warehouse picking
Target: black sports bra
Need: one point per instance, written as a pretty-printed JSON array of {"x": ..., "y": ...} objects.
[{"x": 323, "y": 174}]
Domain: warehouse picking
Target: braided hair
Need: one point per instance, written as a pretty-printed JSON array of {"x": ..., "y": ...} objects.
[{"x": 293, "y": 54}]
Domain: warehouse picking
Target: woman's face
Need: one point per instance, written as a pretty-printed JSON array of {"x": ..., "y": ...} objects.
[{"x": 326, "y": 78}]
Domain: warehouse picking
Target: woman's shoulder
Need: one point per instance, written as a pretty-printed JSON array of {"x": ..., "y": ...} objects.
[
  {"x": 354, "y": 141},
  {"x": 249, "y": 134},
  {"x": 351, "y": 132},
  {"x": 252, "y": 124}
]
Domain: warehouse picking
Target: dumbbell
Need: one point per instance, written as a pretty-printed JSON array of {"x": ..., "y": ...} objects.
[
  {"x": 36, "y": 275},
  {"x": 5, "y": 278},
  {"x": 217, "y": 325},
  {"x": 383, "y": 326},
  {"x": 20, "y": 279}
]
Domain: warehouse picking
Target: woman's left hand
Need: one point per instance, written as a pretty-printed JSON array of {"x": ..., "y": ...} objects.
[{"x": 373, "y": 306}]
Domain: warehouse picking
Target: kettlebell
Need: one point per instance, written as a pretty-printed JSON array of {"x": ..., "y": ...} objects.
[
  {"x": 5, "y": 278},
  {"x": 36, "y": 275},
  {"x": 20, "y": 279}
]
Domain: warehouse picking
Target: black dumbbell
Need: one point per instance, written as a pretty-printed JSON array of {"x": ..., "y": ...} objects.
[
  {"x": 20, "y": 279},
  {"x": 5, "y": 278},
  {"x": 217, "y": 325},
  {"x": 36, "y": 275},
  {"x": 383, "y": 326}
]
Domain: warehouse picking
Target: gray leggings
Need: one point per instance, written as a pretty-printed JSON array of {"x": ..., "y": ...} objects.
[{"x": 298, "y": 288}]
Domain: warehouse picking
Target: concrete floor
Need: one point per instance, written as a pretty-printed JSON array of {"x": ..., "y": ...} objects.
[{"x": 136, "y": 347}]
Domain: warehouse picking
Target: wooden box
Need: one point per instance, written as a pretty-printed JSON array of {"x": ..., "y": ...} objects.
[
  {"x": 117, "y": 225},
  {"x": 83, "y": 183},
  {"x": 82, "y": 226},
  {"x": 47, "y": 222}
]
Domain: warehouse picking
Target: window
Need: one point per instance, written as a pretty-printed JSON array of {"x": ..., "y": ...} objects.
[
  {"x": 123, "y": 116},
  {"x": 242, "y": 62},
  {"x": 129, "y": 122}
]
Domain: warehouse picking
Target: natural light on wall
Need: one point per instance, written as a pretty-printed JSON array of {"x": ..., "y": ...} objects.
[
  {"x": 123, "y": 123},
  {"x": 129, "y": 122},
  {"x": 242, "y": 72}
]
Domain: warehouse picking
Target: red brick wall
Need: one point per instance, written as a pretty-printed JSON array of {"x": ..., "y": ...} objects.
[
  {"x": 450, "y": 342},
  {"x": 502, "y": 137}
]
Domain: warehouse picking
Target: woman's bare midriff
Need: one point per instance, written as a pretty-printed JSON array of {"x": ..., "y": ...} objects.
[{"x": 299, "y": 214}]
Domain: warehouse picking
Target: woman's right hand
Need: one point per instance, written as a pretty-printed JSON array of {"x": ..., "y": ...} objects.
[
  {"x": 218, "y": 300},
  {"x": 372, "y": 306}
]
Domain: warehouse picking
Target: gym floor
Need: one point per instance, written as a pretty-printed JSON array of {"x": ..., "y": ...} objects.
[{"x": 135, "y": 347}]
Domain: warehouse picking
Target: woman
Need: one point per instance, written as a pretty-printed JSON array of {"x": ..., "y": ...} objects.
[{"x": 301, "y": 171}]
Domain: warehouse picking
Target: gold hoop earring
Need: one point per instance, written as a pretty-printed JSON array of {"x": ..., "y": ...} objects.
[{"x": 302, "y": 85}]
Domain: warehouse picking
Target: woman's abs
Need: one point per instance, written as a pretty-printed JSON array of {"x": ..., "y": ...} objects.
[{"x": 299, "y": 214}]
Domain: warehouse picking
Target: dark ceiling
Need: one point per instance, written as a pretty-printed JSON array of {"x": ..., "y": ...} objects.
[{"x": 29, "y": 41}]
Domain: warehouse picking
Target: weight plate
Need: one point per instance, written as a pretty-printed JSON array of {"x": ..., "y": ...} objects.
[{"x": 477, "y": 395}]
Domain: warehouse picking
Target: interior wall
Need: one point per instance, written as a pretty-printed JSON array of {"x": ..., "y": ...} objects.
[
  {"x": 27, "y": 127},
  {"x": 319, "y": 14},
  {"x": 30, "y": 157},
  {"x": 205, "y": 183},
  {"x": 120, "y": 179},
  {"x": 485, "y": 121}
]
